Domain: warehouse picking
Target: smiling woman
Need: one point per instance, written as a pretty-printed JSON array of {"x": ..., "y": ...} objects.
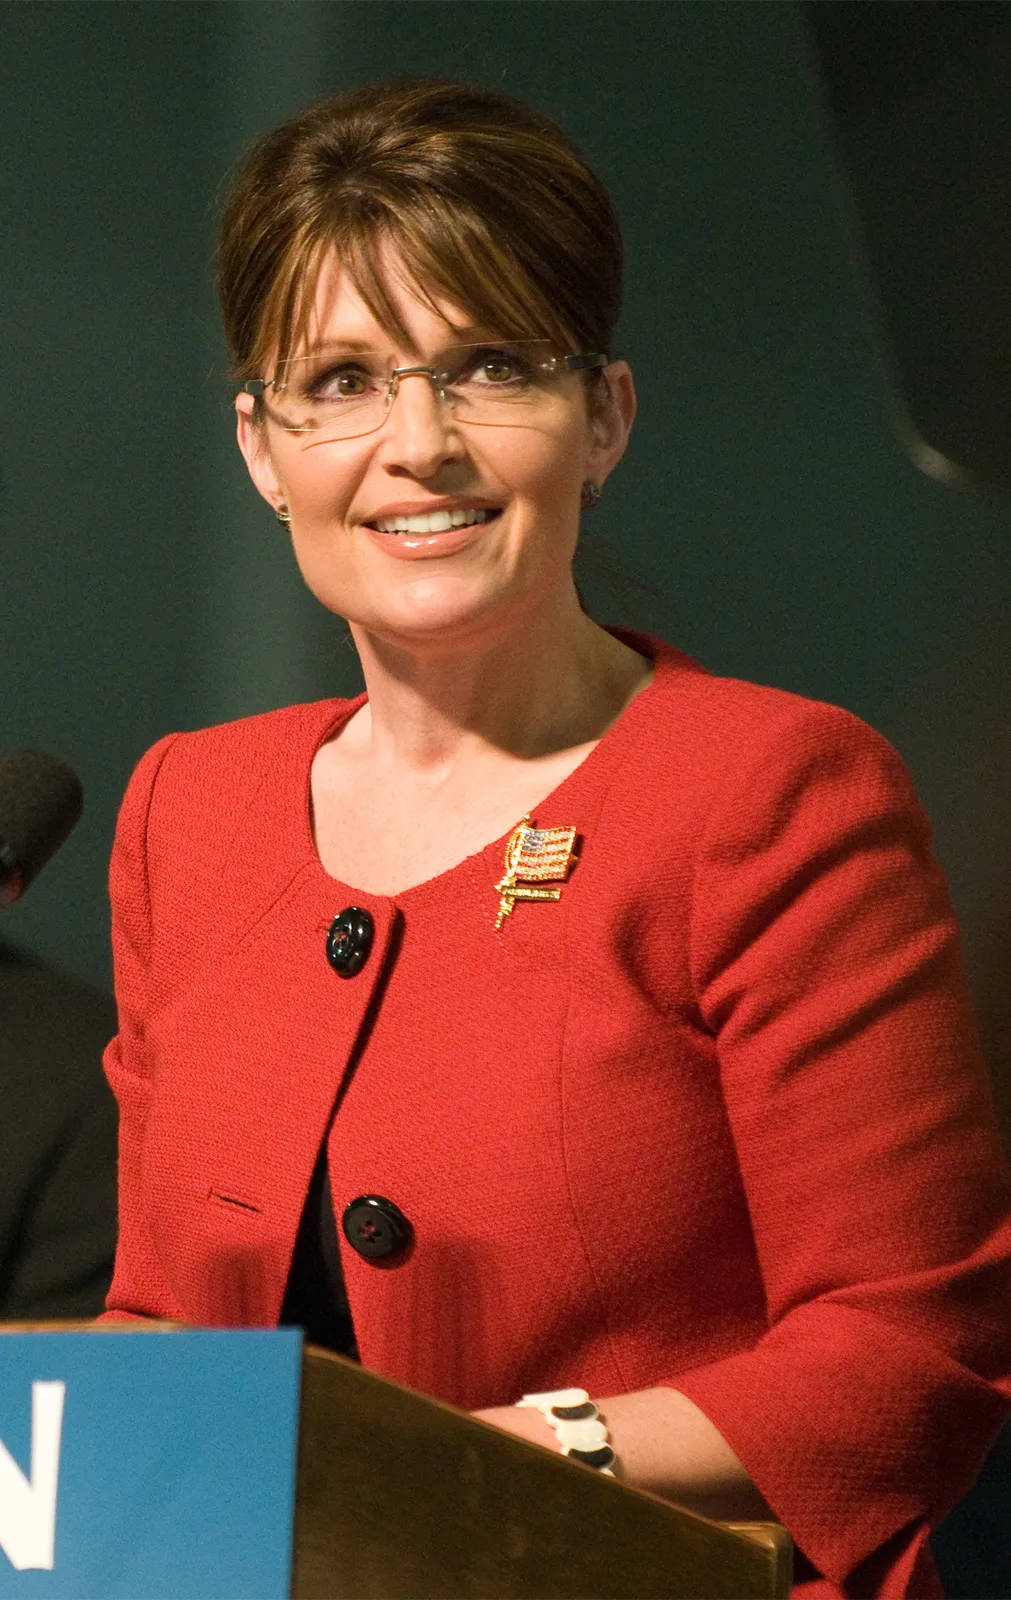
[
  {"x": 493, "y": 439},
  {"x": 556, "y": 1018},
  {"x": 395, "y": 277}
]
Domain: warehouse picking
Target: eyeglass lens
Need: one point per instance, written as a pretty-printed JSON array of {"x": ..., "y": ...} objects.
[{"x": 343, "y": 392}]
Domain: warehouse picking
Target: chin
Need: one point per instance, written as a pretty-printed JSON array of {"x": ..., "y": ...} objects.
[{"x": 446, "y": 609}]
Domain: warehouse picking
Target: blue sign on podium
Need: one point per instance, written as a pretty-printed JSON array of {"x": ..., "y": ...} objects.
[{"x": 148, "y": 1465}]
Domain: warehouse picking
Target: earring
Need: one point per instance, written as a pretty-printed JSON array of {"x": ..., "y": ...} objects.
[
  {"x": 283, "y": 515},
  {"x": 591, "y": 495}
]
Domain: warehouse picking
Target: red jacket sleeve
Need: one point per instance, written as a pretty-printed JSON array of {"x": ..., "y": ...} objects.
[
  {"x": 827, "y": 965},
  {"x": 137, "y": 1289}
]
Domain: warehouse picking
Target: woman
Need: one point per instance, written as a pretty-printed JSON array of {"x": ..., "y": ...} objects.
[{"x": 555, "y": 1013}]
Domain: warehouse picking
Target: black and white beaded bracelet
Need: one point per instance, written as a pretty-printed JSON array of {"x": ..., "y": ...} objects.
[{"x": 577, "y": 1425}]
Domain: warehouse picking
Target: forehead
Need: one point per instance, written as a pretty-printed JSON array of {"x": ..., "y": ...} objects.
[{"x": 339, "y": 313}]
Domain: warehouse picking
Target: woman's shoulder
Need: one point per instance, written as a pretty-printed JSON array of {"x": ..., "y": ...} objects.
[
  {"x": 265, "y": 729},
  {"x": 721, "y": 734},
  {"x": 205, "y": 767},
  {"x": 695, "y": 704}
]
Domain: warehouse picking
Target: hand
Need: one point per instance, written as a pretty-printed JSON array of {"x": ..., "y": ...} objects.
[
  {"x": 525, "y": 1422},
  {"x": 663, "y": 1443}
]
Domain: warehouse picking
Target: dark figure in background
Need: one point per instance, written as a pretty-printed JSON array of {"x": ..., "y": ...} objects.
[{"x": 57, "y": 1144}]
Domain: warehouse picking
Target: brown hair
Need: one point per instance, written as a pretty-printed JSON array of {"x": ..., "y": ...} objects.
[{"x": 488, "y": 202}]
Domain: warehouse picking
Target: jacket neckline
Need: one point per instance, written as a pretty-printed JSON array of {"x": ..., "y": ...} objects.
[{"x": 554, "y": 810}]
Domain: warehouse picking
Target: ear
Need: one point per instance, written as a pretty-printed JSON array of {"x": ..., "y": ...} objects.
[
  {"x": 611, "y": 416},
  {"x": 251, "y": 436}
]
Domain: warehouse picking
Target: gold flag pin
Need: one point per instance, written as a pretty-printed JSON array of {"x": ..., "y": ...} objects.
[{"x": 534, "y": 857}]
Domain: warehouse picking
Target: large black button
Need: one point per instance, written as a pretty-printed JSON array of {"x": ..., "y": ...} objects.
[
  {"x": 349, "y": 941},
  {"x": 376, "y": 1228}
]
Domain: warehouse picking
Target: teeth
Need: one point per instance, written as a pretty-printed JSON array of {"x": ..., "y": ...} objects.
[{"x": 432, "y": 521}]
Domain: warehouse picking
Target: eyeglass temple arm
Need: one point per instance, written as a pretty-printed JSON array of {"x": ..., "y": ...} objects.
[{"x": 585, "y": 363}]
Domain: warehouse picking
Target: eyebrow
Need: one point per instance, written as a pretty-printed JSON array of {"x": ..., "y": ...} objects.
[
  {"x": 475, "y": 333},
  {"x": 337, "y": 344}
]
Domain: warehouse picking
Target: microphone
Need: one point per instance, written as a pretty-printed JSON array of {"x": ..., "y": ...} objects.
[{"x": 40, "y": 801}]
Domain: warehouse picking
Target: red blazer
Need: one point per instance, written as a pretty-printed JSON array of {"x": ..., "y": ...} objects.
[{"x": 716, "y": 1118}]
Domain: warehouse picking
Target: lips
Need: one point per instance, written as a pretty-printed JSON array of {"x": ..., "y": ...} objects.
[
  {"x": 430, "y": 516},
  {"x": 428, "y": 540}
]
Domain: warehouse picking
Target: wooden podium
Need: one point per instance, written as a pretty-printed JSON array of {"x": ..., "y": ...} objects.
[
  {"x": 209, "y": 1464},
  {"x": 401, "y": 1498}
]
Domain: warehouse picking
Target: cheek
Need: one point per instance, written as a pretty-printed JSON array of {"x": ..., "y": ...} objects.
[
  {"x": 537, "y": 464},
  {"x": 318, "y": 481}
]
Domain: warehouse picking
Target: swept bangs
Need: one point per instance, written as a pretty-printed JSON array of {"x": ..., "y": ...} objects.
[{"x": 487, "y": 204}]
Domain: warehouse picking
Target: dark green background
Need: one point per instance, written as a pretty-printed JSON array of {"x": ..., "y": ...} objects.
[{"x": 765, "y": 495}]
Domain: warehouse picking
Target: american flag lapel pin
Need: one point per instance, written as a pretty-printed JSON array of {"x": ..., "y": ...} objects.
[{"x": 534, "y": 858}]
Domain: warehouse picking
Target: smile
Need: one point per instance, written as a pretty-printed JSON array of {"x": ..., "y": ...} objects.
[
  {"x": 432, "y": 521},
  {"x": 428, "y": 535}
]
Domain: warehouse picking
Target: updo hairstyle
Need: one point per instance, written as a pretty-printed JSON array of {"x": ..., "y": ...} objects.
[{"x": 487, "y": 201}]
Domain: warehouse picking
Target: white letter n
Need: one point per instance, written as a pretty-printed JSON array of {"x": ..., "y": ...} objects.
[{"x": 28, "y": 1505}]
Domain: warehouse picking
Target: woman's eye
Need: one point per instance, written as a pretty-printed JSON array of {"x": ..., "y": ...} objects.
[
  {"x": 497, "y": 367},
  {"x": 341, "y": 383}
]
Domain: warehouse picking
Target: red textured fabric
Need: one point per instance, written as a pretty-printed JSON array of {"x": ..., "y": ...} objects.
[{"x": 715, "y": 1119}]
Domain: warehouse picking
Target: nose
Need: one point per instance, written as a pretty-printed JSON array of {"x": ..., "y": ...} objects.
[{"x": 420, "y": 434}]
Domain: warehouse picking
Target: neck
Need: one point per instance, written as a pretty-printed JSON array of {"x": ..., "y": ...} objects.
[{"x": 437, "y": 709}]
